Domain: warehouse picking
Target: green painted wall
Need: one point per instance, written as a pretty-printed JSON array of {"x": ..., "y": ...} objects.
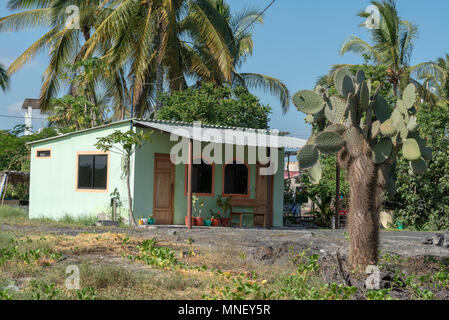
[
  {"x": 52, "y": 185},
  {"x": 52, "y": 181},
  {"x": 143, "y": 188}
]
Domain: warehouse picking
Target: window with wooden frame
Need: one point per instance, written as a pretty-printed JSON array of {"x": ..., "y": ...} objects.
[
  {"x": 236, "y": 179},
  {"x": 92, "y": 172},
  {"x": 202, "y": 179},
  {"x": 43, "y": 153}
]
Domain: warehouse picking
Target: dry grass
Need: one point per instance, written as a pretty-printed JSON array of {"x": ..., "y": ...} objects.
[{"x": 197, "y": 270}]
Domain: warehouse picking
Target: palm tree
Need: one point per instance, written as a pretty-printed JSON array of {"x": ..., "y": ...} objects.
[
  {"x": 435, "y": 75},
  {"x": 240, "y": 32},
  {"x": 62, "y": 41},
  {"x": 4, "y": 79},
  {"x": 150, "y": 39},
  {"x": 392, "y": 44}
]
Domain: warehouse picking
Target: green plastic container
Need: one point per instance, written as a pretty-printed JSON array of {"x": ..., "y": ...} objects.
[{"x": 207, "y": 223}]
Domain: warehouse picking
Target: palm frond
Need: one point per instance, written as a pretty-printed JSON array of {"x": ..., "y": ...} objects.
[
  {"x": 358, "y": 46},
  {"x": 4, "y": 79},
  {"x": 27, "y": 20},
  {"x": 273, "y": 85}
]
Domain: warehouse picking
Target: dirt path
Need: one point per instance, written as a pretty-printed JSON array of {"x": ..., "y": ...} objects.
[{"x": 265, "y": 244}]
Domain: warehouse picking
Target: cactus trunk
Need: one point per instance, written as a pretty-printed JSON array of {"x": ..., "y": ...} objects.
[{"x": 363, "y": 217}]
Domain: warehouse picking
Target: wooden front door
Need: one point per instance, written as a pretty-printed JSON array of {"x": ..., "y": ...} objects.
[
  {"x": 264, "y": 199},
  {"x": 164, "y": 179}
]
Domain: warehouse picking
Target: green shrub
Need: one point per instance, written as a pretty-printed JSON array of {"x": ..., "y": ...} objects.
[{"x": 7, "y": 212}]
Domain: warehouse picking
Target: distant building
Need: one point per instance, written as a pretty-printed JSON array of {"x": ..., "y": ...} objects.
[{"x": 33, "y": 113}]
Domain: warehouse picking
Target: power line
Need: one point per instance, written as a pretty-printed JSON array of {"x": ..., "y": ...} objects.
[
  {"x": 18, "y": 117},
  {"x": 227, "y": 45}
]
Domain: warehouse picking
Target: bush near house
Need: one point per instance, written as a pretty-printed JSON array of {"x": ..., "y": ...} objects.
[{"x": 422, "y": 202}]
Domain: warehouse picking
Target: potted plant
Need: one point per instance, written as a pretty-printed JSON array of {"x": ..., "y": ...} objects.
[
  {"x": 225, "y": 205},
  {"x": 151, "y": 220},
  {"x": 197, "y": 209},
  {"x": 215, "y": 220},
  {"x": 208, "y": 222},
  {"x": 186, "y": 219}
]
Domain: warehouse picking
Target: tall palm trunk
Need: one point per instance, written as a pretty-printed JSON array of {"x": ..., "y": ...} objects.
[{"x": 159, "y": 65}]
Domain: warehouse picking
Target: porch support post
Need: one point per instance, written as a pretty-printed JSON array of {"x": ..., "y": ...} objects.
[
  {"x": 189, "y": 185},
  {"x": 269, "y": 223}
]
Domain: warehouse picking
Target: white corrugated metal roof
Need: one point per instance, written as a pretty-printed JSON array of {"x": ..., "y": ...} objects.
[
  {"x": 224, "y": 135},
  {"x": 208, "y": 133}
]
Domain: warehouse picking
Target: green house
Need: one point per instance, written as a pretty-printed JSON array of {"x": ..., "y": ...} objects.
[{"x": 69, "y": 176}]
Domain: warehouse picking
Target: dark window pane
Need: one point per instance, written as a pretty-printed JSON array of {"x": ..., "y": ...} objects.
[
  {"x": 85, "y": 172},
  {"x": 236, "y": 179},
  {"x": 43, "y": 153},
  {"x": 100, "y": 172},
  {"x": 202, "y": 178}
]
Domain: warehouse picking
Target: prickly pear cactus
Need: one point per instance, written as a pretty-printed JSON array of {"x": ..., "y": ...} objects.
[
  {"x": 361, "y": 122},
  {"x": 367, "y": 135}
]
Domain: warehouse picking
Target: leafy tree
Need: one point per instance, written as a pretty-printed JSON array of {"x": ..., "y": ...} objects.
[
  {"x": 125, "y": 144},
  {"x": 14, "y": 153},
  {"x": 323, "y": 192},
  {"x": 422, "y": 202},
  {"x": 74, "y": 113},
  {"x": 367, "y": 138},
  {"x": 216, "y": 105}
]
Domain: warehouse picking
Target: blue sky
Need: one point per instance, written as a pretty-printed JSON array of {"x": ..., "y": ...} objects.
[{"x": 298, "y": 42}]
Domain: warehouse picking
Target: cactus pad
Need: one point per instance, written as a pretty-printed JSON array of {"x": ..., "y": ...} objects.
[
  {"x": 381, "y": 108},
  {"x": 418, "y": 166},
  {"x": 338, "y": 127},
  {"x": 360, "y": 76},
  {"x": 412, "y": 124},
  {"x": 364, "y": 96},
  {"x": 375, "y": 129},
  {"x": 308, "y": 156},
  {"x": 308, "y": 102},
  {"x": 409, "y": 96},
  {"x": 335, "y": 110},
  {"x": 354, "y": 141},
  {"x": 340, "y": 74},
  {"x": 315, "y": 173},
  {"x": 348, "y": 86},
  {"x": 387, "y": 128},
  {"x": 402, "y": 107},
  {"x": 329, "y": 142},
  {"x": 382, "y": 150},
  {"x": 410, "y": 149}
]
